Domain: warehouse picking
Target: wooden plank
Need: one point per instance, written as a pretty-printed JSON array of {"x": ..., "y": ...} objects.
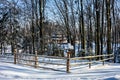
[
  {"x": 44, "y": 56},
  {"x": 7, "y": 56},
  {"x": 86, "y": 57},
  {"x": 26, "y": 54},
  {"x": 51, "y": 63},
  {"x": 26, "y": 60},
  {"x": 76, "y": 64},
  {"x": 54, "y": 57},
  {"x": 68, "y": 63},
  {"x": 41, "y": 62},
  {"x": 7, "y": 62}
]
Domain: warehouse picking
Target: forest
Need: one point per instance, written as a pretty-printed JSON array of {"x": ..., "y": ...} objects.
[{"x": 92, "y": 27}]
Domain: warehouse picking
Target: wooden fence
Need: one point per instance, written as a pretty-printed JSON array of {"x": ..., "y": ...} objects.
[{"x": 34, "y": 60}]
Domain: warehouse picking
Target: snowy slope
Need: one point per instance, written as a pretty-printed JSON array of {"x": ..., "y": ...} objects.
[{"x": 10, "y": 71}]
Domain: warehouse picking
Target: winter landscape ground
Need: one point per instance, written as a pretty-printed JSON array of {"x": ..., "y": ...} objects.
[
  {"x": 10, "y": 71},
  {"x": 59, "y": 35},
  {"x": 110, "y": 71}
]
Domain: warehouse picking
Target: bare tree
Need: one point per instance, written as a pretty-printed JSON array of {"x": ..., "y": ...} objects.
[
  {"x": 82, "y": 27},
  {"x": 97, "y": 27},
  {"x": 33, "y": 29},
  {"x": 108, "y": 17}
]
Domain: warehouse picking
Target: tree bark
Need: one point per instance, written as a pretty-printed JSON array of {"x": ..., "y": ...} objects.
[
  {"x": 33, "y": 33},
  {"x": 82, "y": 27},
  {"x": 97, "y": 30},
  {"x": 108, "y": 17}
]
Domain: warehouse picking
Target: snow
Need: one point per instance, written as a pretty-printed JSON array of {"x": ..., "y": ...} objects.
[
  {"x": 10, "y": 71},
  {"x": 109, "y": 71}
]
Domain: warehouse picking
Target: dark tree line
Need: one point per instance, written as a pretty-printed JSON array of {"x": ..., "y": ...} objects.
[{"x": 30, "y": 25}]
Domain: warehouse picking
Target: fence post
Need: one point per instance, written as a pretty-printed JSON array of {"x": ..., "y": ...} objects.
[
  {"x": 114, "y": 58},
  {"x": 36, "y": 59},
  {"x": 90, "y": 62},
  {"x": 68, "y": 62},
  {"x": 103, "y": 60},
  {"x": 103, "y": 63},
  {"x": 15, "y": 57}
]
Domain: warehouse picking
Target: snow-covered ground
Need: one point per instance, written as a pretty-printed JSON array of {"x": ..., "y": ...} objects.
[
  {"x": 110, "y": 71},
  {"x": 10, "y": 71}
]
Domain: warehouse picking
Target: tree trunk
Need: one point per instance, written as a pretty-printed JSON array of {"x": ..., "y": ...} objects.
[
  {"x": 33, "y": 33},
  {"x": 82, "y": 27},
  {"x": 102, "y": 25},
  {"x": 1, "y": 48},
  {"x": 97, "y": 30},
  {"x": 108, "y": 17}
]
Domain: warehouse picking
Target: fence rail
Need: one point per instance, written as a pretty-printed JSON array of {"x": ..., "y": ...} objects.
[
  {"x": 88, "y": 57},
  {"x": 90, "y": 61},
  {"x": 33, "y": 60}
]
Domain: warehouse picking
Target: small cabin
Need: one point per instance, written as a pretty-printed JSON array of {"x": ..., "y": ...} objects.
[{"x": 59, "y": 38}]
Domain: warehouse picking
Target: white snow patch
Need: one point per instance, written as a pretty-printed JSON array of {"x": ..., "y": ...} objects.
[{"x": 10, "y": 71}]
